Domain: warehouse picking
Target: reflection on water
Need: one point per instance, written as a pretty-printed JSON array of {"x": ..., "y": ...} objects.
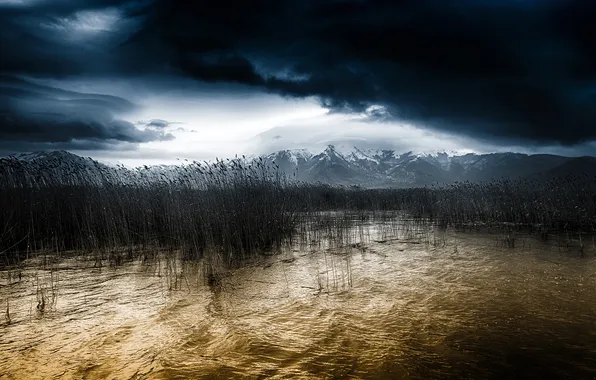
[{"x": 464, "y": 308}]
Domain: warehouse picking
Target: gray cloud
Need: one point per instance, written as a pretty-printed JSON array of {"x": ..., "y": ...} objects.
[
  {"x": 33, "y": 116},
  {"x": 502, "y": 71},
  {"x": 158, "y": 123},
  {"x": 508, "y": 72}
]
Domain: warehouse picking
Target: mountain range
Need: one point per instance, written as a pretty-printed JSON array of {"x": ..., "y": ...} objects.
[
  {"x": 387, "y": 168},
  {"x": 334, "y": 165}
]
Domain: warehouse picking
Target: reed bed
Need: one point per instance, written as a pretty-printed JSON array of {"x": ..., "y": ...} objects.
[
  {"x": 565, "y": 204},
  {"x": 229, "y": 210}
]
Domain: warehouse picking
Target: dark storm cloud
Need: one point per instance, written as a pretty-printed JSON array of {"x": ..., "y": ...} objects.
[
  {"x": 58, "y": 38},
  {"x": 33, "y": 116},
  {"x": 510, "y": 70}
]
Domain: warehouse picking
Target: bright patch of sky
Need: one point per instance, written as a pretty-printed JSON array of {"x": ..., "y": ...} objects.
[{"x": 223, "y": 121}]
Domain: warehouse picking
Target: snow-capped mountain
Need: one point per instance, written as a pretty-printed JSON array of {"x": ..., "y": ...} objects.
[
  {"x": 380, "y": 168},
  {"x": 333, "y": 165}
]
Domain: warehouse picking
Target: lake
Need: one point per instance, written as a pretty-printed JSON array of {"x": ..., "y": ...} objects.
[{"x": 461, "y": 306}]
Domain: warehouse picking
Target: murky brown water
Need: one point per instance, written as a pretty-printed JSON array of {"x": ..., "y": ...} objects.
[{"x": 394, "y": 310}]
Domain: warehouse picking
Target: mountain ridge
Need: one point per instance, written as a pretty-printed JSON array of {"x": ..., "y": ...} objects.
[
  {"x": 383, "y": 167},
  {"x": 352, "y": 166}
]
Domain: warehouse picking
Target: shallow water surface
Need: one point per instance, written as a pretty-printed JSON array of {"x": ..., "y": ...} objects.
[{"x": 464, "y": 308}]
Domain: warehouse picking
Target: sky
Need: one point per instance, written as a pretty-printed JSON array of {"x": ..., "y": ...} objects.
[{"x": 150, "y": 81}]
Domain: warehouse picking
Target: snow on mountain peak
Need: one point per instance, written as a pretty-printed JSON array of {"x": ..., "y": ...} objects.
[
  {"x": 295, "y": 155},
  {"x": 437, "y": 153}
]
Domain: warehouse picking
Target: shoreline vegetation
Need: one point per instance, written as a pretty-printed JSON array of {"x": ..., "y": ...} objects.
[{"x": 230, "y": 210}]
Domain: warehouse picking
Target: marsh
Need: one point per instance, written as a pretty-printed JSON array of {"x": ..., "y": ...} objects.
[{"x": 424, "y": 304}]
